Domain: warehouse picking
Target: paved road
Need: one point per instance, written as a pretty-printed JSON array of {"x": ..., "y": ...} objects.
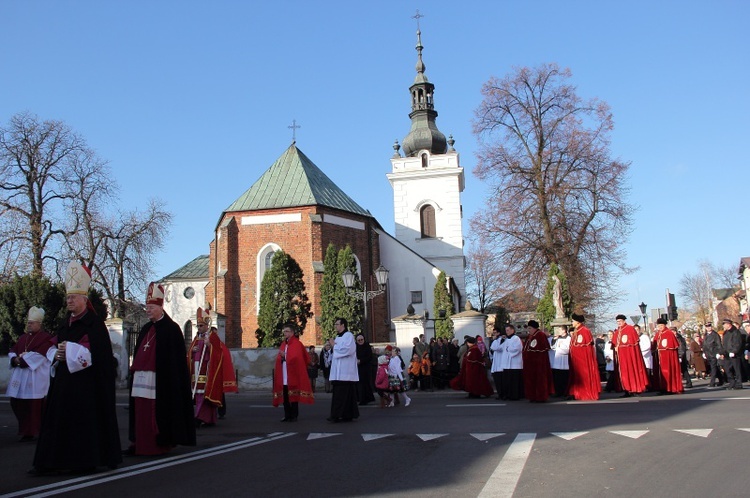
[{"x": 692, "y": 445}]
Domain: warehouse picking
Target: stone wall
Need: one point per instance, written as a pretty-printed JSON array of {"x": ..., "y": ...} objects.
[{"x": 254, "y": 369}]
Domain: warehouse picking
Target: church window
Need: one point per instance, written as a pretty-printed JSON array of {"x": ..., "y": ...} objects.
[
  {"x": 424, "y": 160},
  {"x": 427, "y": 221},
  {"x": 416, "y": 297},
  {"x": 267, "y": 261},
  {"x": 263, "y": 264},
  {"x": 188, "y": 333},
  {"x": 189, "y": 292}
]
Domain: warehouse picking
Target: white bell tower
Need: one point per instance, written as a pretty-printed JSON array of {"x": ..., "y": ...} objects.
[{"x": 427, "y": 182}]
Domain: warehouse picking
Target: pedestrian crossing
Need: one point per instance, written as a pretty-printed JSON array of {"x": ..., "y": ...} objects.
[{"x": 486, "y": 436}]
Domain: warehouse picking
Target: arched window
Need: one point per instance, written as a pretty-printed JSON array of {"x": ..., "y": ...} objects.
[
  {"x": 263, "y": 263},
  {"x": 267, "y": 261},
  {"x": 424, "y": 160},
  {"x": 188, "y": 333},
  {"x": 427, "y": 221}
]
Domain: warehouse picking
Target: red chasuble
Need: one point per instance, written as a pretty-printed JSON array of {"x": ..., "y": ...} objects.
[
  {"x": 584, "y": 381},
  {"x": 221, "y": 378},
  {"x": 632, "y": 370},
  {"x": 537, "y": 374},
  {"x": 298, "y": 381},
  {"x": 473, "y": 375},
  {"x": 670, "y": 375}
]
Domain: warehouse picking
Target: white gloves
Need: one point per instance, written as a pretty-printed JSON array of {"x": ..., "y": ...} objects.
[
  {"x": 731, "y": 355},
  {"x": 718, "y": 356}
]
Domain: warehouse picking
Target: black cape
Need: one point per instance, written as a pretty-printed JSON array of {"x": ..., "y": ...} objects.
[
  {"x": 79, "y": 426},
  {"x": 174, "y": 400}
]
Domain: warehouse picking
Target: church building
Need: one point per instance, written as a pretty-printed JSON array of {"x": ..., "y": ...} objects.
[{"x": 295, "y": 207}]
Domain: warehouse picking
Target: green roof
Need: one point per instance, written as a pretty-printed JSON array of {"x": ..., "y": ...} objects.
[
  {"x": 294, "y": 180},
  {"x": 197, "y": 269}
]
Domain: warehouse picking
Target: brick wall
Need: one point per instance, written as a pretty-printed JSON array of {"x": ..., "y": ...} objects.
[{"x": 236, "y": 290}]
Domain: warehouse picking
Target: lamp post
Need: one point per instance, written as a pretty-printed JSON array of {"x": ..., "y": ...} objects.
[
  {"x": 643, "y": 307},
  {"x": 381, "y": 276}
]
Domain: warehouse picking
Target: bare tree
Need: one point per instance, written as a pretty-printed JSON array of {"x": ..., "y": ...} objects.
[
  {"x": 483, "y": 276},
  {"x": 14, "y": 259},
  {"x": 557, "y": 195},
  {"x": 38, "y": 159},
  {"x": 120, "y": 251},
  {"x": 695, "y": 289}
]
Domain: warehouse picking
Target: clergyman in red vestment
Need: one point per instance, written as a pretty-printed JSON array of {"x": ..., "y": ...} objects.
[
  {"x": 473, "y": 375},
  {"x": 537, "y": 373},
  {"x": 628, "y": 359},
  {"x": 668, "y": 372},
  {"x": 584, "y": 372},
  {"x": 291, "y": 384}
]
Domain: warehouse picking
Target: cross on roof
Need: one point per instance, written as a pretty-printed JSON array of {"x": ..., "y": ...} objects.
[
  {"x": 417, "y": 16},
  {"x": 294, "y": 126}
]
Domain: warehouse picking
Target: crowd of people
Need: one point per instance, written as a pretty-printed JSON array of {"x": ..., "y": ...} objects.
[{"x": 62, "y": 386}]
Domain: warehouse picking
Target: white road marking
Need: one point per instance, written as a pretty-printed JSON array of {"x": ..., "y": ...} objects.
[
  {"x": 473, "y": 405},
  {"x": 430, "y": 437},
  {"x": 725, "y": 399},
  {"x": 143, "y": 468},
  {"x": 504, "y": 479},
  {"x": 484, "y": 436},
  {"x": 630, "y": 434},
  {"x": 372, "y": 437},
  {"x": 568, "y": 436},
  {"x": 695, "y": 432},
  {"x": 321, "y": 435},
  {"x": 604, "y": 401}
]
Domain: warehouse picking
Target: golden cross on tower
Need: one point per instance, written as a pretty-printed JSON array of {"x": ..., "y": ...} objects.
[{"x": 294, "y": 126}]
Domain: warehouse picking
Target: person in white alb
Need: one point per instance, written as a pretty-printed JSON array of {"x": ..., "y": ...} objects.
[
  {"x": 29, "y": 377},
  {"x": 560, "y": 361}
]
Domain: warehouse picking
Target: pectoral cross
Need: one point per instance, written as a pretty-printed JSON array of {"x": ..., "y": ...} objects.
[{"x": 148, "y": 345}]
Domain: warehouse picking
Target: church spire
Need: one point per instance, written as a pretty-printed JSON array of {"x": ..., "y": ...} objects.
[{"x": 424, "y": 133}]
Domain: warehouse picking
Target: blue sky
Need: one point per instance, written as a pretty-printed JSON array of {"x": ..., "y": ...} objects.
[{"x": 191, "y": 101}]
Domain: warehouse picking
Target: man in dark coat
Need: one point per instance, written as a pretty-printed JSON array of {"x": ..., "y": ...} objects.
[
  {"x": 711, "y": 349},
  {"x": 730, "y": 354},
  {"x": 79, "y": 427},
  {"x": 161, "y": 409}
]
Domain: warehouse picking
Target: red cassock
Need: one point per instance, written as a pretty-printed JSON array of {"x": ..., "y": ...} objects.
[
  {"x": 298, "y": 382},
  {"x": 473, "y": 375},
  {"x": 632, "y": 370},
  {"x": 669, "y": 372},
  {"x": 584, "y": 381},
  {"x": 537, "y": 374}
]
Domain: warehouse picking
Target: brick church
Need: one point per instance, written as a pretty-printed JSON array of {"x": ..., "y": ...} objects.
[{"x": 295, "y": 207}]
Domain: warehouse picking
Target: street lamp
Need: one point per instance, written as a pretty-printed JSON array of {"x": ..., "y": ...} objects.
[
  {"x": 643, "y": 307},
  {"x": 381, "y": 276}
]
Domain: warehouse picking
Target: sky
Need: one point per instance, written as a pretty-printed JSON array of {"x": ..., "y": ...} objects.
[{"x": 191, "y": 102}]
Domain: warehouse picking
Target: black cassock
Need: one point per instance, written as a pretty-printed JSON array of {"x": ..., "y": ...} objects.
[{"x": 79, "y": 425}]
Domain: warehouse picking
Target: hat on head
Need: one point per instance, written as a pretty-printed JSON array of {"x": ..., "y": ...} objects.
[
  {"x": 621, "y": 317},
  {"x": 203, "y": 316},
  {"x": 577, "y": 317},
  {"x": 77, "y": 279},
  {"x": 35, "y": 314},
  {"x": 471, "y": 340},
  {"x": 155, "y": 294},
  {"x": 533, "y": 323},
  {"x": 661, "y": 321},
  {"x": 708, "y": 324},
  {"x": 382, "y": 359},
  {"x": 727, "y": 320},
  {"x": 389, "y": 348}
]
